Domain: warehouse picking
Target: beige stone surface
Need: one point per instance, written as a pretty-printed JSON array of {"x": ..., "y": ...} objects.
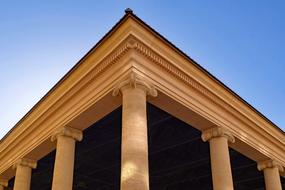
[
  {"x": 271, "y": 171},
  {"x": 134, "y": 155},
  {"x": 3, "y": 183},
  {"x": 220, "y": 158},
  {"x": 272, "y": 179},
  {"x": 186, "y": 91},
  {"x": 23, "y": 173},
  {"x": 64, "y": 160}
]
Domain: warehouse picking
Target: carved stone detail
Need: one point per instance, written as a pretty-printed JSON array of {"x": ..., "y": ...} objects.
[
  {"x": 134, "y": 81},
  {"x": 133, "y": 43},
  {"x": 26, "y": 162},
  {"x": 269, "y": 164},
  {"x": 3, "y": 182},
  {"x": 111, "y": 59},
  {"x": 68, "y": 132},
  {"x": 217, "y": 132}
]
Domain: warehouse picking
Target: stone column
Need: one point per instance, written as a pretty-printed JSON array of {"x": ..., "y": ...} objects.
[
  {"x": 23, "y": 168},
  {"x": 220, "y": 158},
  {"x": 64, "y": 159},
  {"x": 271, "y": 171},
  {"x": 134, "y": 151},
  {"x": 3, "y": 184}
]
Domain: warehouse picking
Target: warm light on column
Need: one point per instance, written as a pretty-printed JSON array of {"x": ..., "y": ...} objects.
[
  {"x": 220, "y": 159},
  {"x": 23, "y": 168},
  {"x": 134, "y": 152},
  {"x": 64, "y": 160},
  {"x": 271, "y": 171}
]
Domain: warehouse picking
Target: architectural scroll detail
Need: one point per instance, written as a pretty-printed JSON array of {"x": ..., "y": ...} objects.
[
  {"x": 69, "y": 132},
  {"x": 26, "y": 162},
  {"x": 134, "y": 81},
  {"x": 217, "y": 132},
  {"x": 269, "y": 164},
  {"x": 4, "y": 182},
  {"x": 133, "y": 43}
]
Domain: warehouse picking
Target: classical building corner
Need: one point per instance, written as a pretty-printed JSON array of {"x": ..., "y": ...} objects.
[{"x": 138, "y": 113}]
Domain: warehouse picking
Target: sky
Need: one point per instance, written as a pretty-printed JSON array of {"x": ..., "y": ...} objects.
[{"x": 242, "y": 43}]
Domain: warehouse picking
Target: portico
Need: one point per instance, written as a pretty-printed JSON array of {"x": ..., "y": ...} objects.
[{"x": 150, "y": 107}]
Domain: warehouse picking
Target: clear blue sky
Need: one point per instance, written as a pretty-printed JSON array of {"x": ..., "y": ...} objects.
[{"x": 241, "y": 42}]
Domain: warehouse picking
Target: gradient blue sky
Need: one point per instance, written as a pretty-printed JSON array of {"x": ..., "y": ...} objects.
[{"x": 241, "y": 42}]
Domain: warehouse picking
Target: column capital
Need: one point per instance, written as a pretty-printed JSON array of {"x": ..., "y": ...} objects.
[
  {"x": 134, "y": 81},
  {"x": 25, "y": 162},
  {"x": 217, "y": 132},
  {"x": 75, "y": 134},
  {"x": 3, "y": 182},
  {"x": 269, "y": 164}
]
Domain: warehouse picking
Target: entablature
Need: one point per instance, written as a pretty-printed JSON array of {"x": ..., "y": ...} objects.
[{"x": 134, "y": 48}]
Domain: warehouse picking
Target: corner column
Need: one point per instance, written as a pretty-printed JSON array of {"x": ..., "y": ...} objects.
[
  {"x": 134, "y": 151},
  {"x": 271, "y": 171},
  {"x": 23, "y": 168},
  {"x": 220, "y": 159},
  {"x": 3, "y": 184},
  {"x": 64, "y": 159}
]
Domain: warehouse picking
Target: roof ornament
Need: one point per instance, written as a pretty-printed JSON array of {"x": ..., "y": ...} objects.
[{"x": 128, "y": 11}]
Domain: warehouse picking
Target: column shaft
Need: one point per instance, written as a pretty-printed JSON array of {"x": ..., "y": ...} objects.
[
  {"x": 64, "y": 163},
  {"x": 220, "y": 164},
  {"x": 22, "y": 178},
  {"x": 134, "y": 163},
  {"x": 272, "y": 179},
  {"x": 271, "y": 169}
]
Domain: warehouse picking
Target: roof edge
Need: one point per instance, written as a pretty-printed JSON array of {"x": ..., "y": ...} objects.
[{"x": 129, "y": 13}]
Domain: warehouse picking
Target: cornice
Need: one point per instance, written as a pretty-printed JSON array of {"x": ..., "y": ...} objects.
[
  {"x": 111, "y": 59},
  {"x": 191, "y": 82},
  {"x": 245, "y": 120},
  {"x": 129, "y": 44},
  {"x": 102, "y": 66}
]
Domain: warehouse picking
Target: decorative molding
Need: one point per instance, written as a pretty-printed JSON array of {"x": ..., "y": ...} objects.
[
  {"x": 217, "y": 132},
  {"x": 67, "y": 132},
  {"x": 103, "y": 64},
  {"x": 169, "y": 67},
  {"x": 269, "y": 164},
  {"x": 26, "y": 163},
  {"x": 112, "y": 58},
  {"x": 132, "y": 42},
  {"x": 134, "y": 81},
  {"x": 4, "y": 182}
]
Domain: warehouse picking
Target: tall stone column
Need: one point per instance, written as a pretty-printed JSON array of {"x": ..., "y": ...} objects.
[
  {"x": 134, "y": 151},
  {"x": 23, "y": 168},
  {"x": 220, "y": 158},
  {"x": 3, "y": 184},
  {"x": 64, "y": 159},
  {"x": 271, "y": 171}
]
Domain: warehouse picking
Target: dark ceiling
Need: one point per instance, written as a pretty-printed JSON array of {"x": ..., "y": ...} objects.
[{"x": 178, "y": 159}]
